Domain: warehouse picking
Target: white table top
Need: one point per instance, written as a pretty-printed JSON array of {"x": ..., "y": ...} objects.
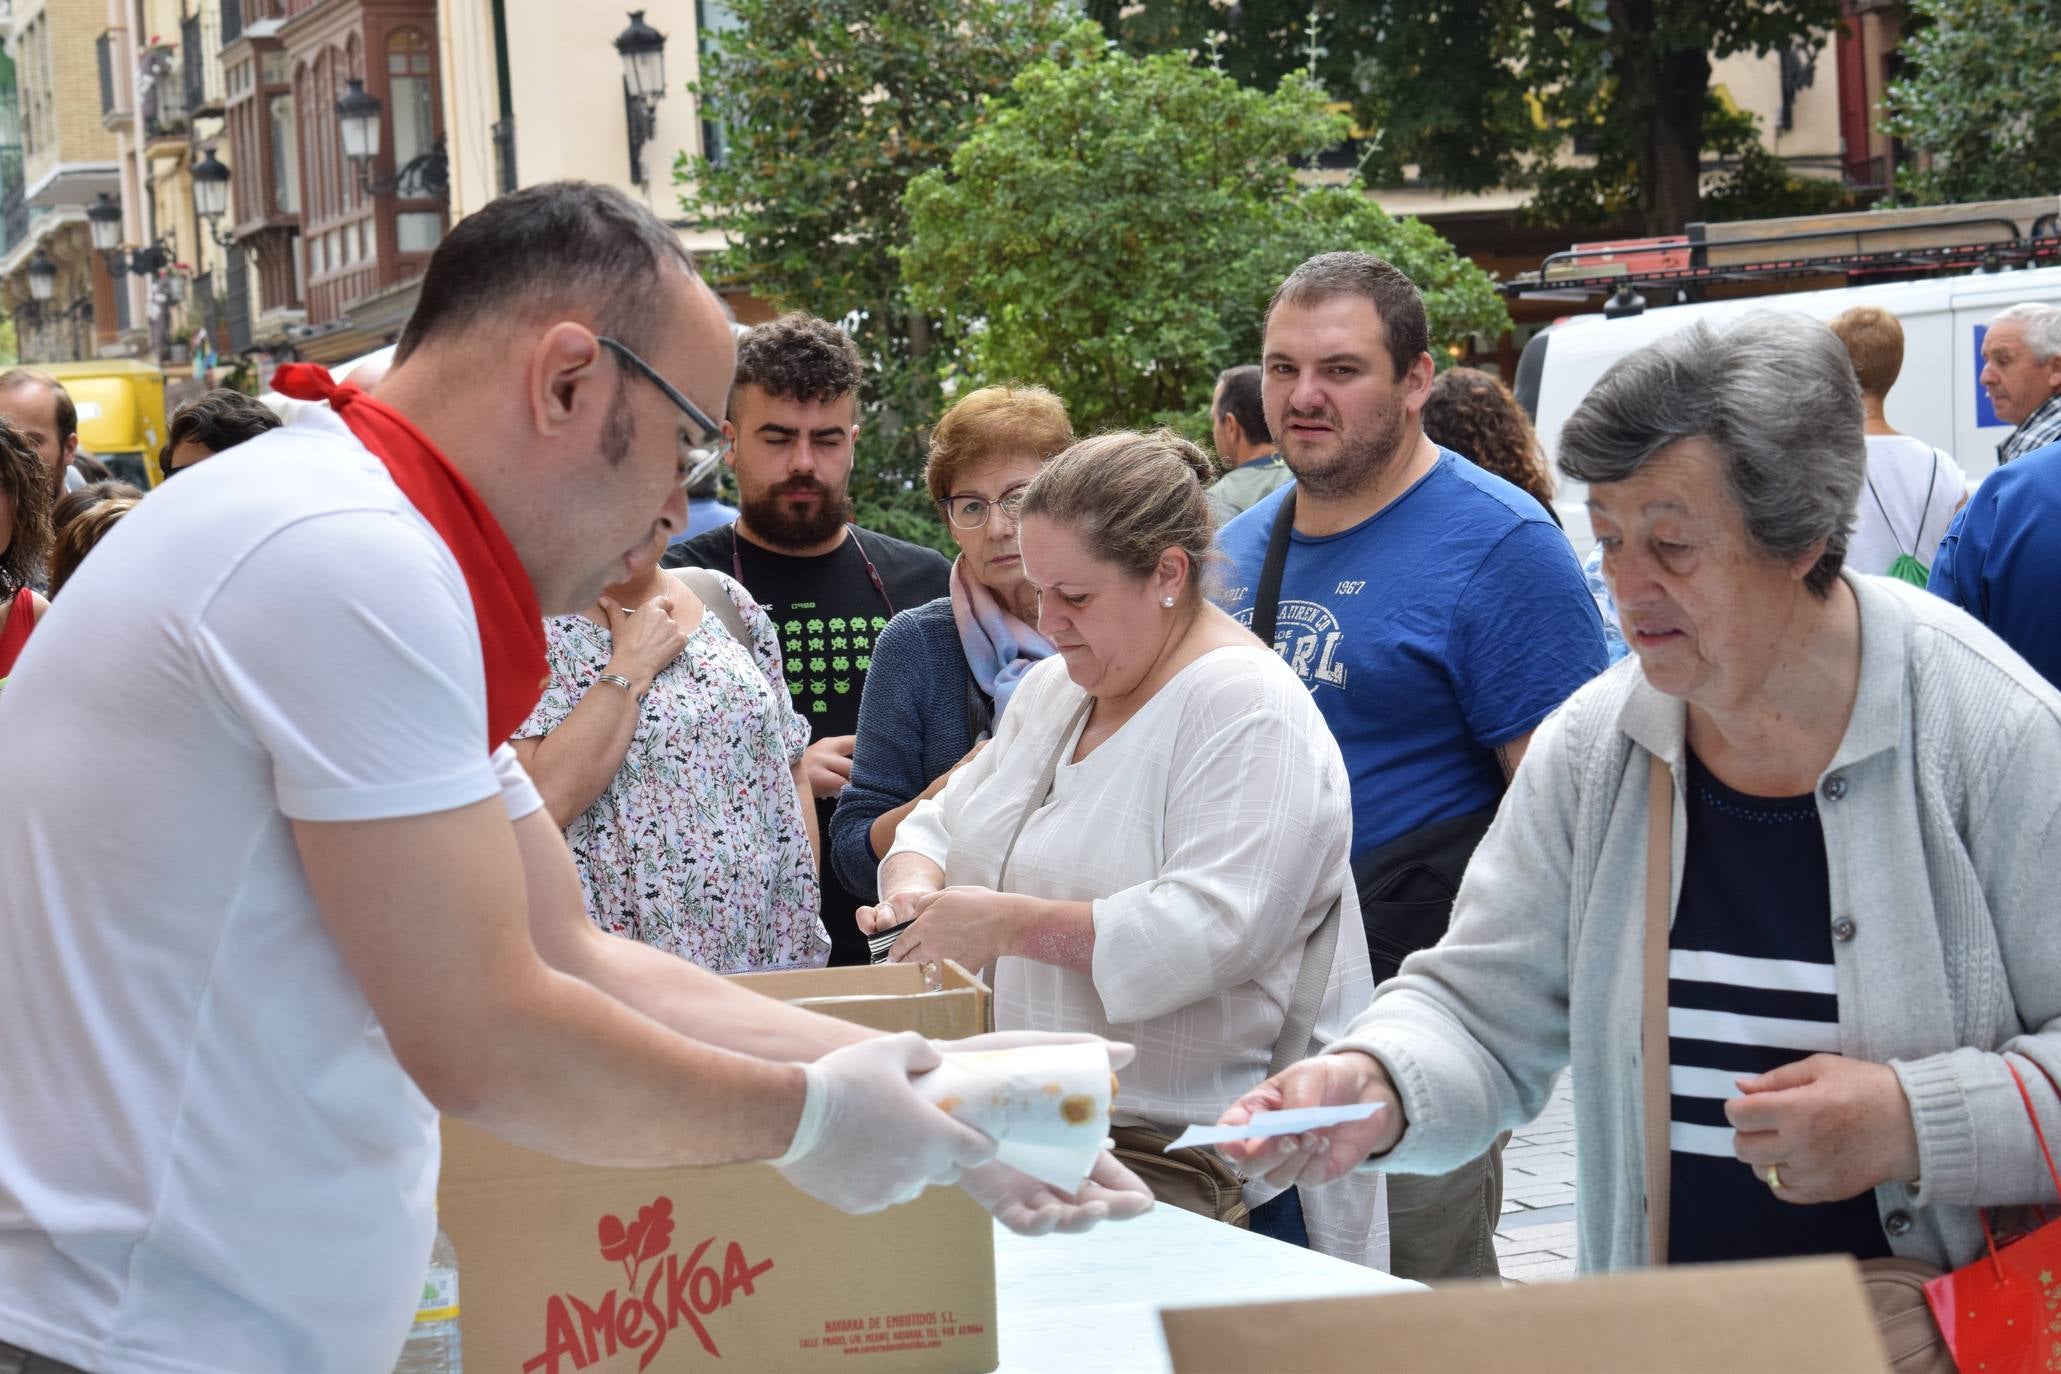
[{"x": 1065, "y": 1304}]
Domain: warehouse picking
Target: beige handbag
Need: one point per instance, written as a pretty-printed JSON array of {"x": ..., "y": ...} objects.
[
  {"x": 1895, "y": 1287},
  {"x": 1193, "y": 1179}
]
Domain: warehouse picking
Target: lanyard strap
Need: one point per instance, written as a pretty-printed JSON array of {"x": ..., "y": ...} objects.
[{"x": 872, "y": 573}]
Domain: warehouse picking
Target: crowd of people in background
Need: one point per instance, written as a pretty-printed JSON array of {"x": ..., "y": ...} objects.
[{"x": 1172, "y": 731}]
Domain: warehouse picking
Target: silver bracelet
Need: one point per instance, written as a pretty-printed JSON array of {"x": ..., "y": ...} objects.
[{"x": 619, "y": 680}]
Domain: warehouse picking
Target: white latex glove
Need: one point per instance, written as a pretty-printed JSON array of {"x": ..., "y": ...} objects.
[
  {"x": 866, "y": 1141},
  {"x": 1031, "y": 1208}
]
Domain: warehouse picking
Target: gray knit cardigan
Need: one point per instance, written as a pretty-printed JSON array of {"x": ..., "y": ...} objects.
[{"x": 1942, "y": 822}]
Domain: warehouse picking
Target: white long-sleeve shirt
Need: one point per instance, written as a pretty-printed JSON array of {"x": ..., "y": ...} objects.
[{"x": 1210, "y": 833}]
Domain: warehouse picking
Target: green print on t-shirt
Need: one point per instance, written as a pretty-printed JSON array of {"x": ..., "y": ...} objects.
[{"x": 826, "y": 657}]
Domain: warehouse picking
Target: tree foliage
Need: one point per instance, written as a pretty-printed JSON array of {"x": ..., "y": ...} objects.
[
  {"x": 1981, "y": 93},
  {"x": 1481, "y": 93},
  {"x": 1113, "y": 227},
  {"x": 828, "y": 108}
]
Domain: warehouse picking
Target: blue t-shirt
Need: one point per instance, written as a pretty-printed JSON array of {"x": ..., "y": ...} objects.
[
  {"x": 2001, "y": 558},
  {"x": 1750, "y": 987},
  {"x": 1449, "y": 622}
]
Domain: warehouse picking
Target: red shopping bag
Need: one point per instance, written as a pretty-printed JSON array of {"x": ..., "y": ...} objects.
[{"x": 2002, "y": 1314}]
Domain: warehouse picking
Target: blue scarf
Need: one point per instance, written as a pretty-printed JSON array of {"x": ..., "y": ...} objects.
[{"x": 999, "y": 648}]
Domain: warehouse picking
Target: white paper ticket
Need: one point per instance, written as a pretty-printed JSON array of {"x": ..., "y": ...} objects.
[{"x": 1265, "y": 1125}]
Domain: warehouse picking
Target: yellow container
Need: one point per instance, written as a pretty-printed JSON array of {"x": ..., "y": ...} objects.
[{"x": 121, "y": 404}]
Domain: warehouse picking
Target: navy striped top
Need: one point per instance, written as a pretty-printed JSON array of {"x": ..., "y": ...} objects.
[{"x": 1750, "y": 988}]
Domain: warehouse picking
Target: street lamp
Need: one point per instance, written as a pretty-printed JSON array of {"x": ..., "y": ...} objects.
[
  {"x": 357, "y": 120},
  {"x": 42, "y": 277},
  {"x": 357, "y": 124},
  {"x": 643, "y": 50},
  {"x": 211, "y": 196},
  {"x": 104, "y": 219}
]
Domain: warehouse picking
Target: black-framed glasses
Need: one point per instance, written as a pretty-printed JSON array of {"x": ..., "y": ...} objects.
[
  {"x": 702, "y": 456},
  {"x": 973, "y": 512}
]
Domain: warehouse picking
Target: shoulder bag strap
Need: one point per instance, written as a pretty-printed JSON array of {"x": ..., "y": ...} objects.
[
  {"x": 1043, "y": 790},
  {"x": 709, "y": 590},
  {"x": 1267, "y": 601},
  {"x": 1299, "y": 1026},
  {"x": 1660, "y": 804}
]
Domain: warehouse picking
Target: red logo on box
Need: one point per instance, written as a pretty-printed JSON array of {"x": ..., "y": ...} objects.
[{"x": 674, "y": 1291}]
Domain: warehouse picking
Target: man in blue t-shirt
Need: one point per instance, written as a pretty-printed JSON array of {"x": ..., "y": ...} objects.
[
  {"x": 2001, "y": 558},
  {"x": 1437, "y": 614}
]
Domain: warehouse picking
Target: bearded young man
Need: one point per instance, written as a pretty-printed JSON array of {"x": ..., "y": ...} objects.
[
  {"x": 1438, "y": 616},
  {"x": 830, "y": 586}
]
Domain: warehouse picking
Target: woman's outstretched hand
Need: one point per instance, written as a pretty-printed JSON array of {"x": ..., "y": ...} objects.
[{"x": 1326, "y": 1080}]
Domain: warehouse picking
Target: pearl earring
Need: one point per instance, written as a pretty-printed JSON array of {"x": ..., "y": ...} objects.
[{"x": 1167, "y": 602}]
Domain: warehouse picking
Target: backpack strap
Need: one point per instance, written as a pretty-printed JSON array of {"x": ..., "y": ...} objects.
[
  {"x": 1931, "y": 485},
  {"x": 1266, "y": 603},
  {"x": 709, "y": 590}
]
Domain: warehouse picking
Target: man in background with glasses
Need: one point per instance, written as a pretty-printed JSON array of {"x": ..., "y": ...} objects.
[
  {"x": 339, "y": 907},
  {"x": 829, "y": 585}
]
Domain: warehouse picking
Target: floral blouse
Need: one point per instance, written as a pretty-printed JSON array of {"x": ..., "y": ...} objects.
[{"x": 698, "y": 846}]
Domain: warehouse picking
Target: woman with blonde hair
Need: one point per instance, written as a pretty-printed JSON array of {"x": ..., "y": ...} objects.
[{"x": 1156, "y": 846}]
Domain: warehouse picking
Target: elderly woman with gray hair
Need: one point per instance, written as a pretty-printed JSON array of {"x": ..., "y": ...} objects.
[{"x": 1849, "y": 788}]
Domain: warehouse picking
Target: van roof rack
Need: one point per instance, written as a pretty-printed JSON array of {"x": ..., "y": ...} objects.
[{"x": 1936, "y": 238}]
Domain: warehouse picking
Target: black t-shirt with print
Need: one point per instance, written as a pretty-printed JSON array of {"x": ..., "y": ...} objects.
[{"x": 828, "y": 612}]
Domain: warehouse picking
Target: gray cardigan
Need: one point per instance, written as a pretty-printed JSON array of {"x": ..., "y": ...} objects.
[
  {"x": 1942, "y": 822},
  {"x": 918, "y": 715}
]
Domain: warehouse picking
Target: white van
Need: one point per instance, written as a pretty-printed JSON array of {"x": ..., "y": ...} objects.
[{"x": 1937, "y": 397}]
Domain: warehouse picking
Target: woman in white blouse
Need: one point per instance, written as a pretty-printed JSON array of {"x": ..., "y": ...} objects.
[{"x": 1195, "y": 834}]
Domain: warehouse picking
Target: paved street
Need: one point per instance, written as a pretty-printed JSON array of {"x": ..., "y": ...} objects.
[{"x": 1536, "y": 1238}]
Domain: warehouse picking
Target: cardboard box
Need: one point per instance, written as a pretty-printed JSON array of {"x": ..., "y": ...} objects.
[
  {"x": 565, "y": 1268},
  {"x": 887, "y": 997},
  {"x": 1805, "y": 1316}
]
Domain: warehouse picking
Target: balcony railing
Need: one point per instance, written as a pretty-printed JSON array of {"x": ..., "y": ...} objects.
[
  {"x": 164, "y": 93},
  {"x": 200, "y": 54},
  {"x": 14, "y": 205},
  {"x": 236, "y": 306},
  {"x": 109, "y": 65},
  {"x": 1867, "y": 174}
]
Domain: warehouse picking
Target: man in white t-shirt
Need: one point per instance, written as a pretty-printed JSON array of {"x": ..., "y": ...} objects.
[
  {"x": 1913, "y": 489},
  {"x": 317, "y": 911}
]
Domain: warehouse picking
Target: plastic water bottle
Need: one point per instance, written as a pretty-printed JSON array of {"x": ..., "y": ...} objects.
[{"x": 432, "y": 1346}]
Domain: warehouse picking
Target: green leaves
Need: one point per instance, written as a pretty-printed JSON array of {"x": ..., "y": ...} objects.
[
  {"x": 1467, "y": 95},
  {"x": 1980, "y": 93},
  {"x": 828, "y": 108},
  {"x": 1114, "y": 227}
]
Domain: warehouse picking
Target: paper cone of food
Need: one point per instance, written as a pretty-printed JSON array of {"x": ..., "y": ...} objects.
[{"x": 1048, "y": 1105}]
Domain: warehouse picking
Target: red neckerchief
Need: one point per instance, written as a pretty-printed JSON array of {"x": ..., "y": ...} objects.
[{"x": 511, "y": 625}]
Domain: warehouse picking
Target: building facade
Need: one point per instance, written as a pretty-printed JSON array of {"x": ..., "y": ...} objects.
[
  {"x": 57, "y": 154},
  {"x": 574, "y": 117}
]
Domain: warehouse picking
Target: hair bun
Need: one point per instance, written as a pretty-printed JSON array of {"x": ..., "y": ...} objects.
[{"x": 1188, "y": 452}]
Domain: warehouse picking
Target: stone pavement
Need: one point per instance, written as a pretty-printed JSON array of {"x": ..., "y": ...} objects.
[{"x": 1535, "y": 1240}]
